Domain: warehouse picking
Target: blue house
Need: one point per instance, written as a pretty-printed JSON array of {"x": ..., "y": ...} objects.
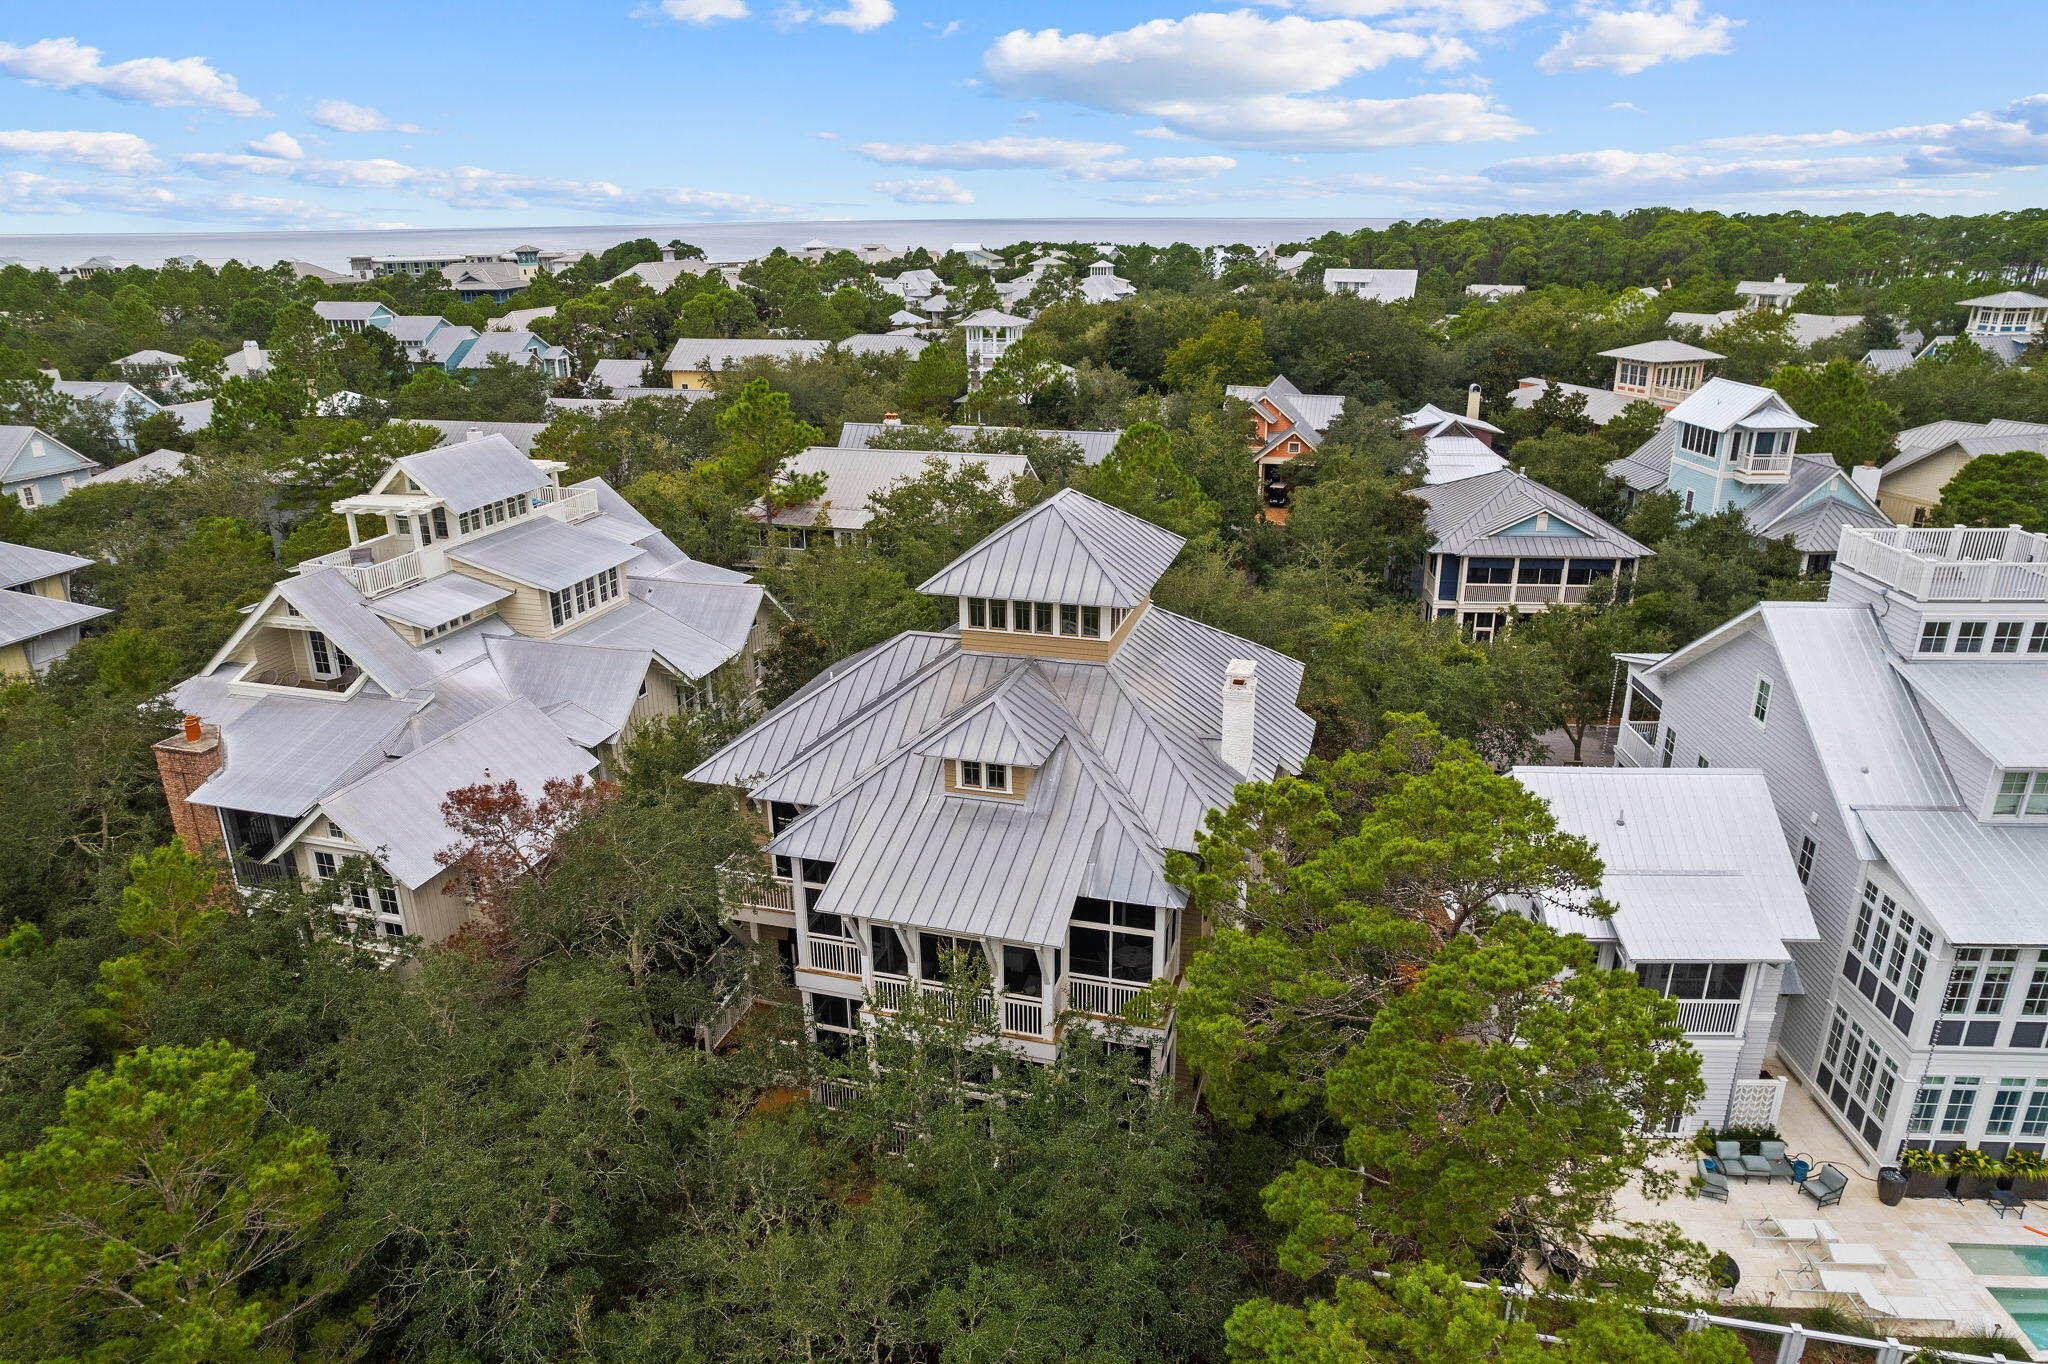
[
  {"x": 1501, "y": 541},
  {"x": 36, "y": 470},
  {"x": 1735, "y": 445}
]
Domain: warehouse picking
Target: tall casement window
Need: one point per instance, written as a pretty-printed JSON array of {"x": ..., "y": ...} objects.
[
  {"x": 1856, "y": 1074},
  {"x": 1697, "y": 439},
  {"x": 1888, "y": 952},
  {"x": 1808, "y": 849},
  {"x": 1670, "y": 744},
  {"x": 583, "y": 598},
  {"x": 1760, "y": 705},
  {"x": 328, "y": 659}
]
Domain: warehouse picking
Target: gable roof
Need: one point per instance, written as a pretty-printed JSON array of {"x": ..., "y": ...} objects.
[
  {"x": 1094, "y": 445},
  {"x": 855, "y": 476},
  {"x": 1994, "y": 437},
  {"x": 992, "y": 317},
  {"x": 471, "y": 473},
  {"x": 1664, "y": 352},
  {"x": 27, "y": 615},
  {"x": 14, "y": 445},
  {"x": 456, "y": 431},
  {"x": 1694, "y": 860},
  {"x": 1069, "y": 548},
  {"x": 1814, "y": 504},
  {"x": 26, "y": 563},
  {"x": 544, "y": 553}
]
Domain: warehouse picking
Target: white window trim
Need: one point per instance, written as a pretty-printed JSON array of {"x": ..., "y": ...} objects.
[
  {"x": 980, "y": 781},
  {"x": 1760, "y": 697}
]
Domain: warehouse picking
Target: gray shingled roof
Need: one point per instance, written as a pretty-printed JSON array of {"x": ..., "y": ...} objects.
[{"x": 1069, "y": 548}]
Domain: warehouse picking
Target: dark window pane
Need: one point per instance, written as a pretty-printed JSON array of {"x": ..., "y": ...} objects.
[
  {"x": 1131, "y": 957},
  {"x": 1136, "y": 916},
  {"x": 1091, "y": 911},
  {"x": 1541, "y": 571},
  {"x": 1090, "y": 949},
  {"x": 1725, "y": 981},
  {"x": 834, "y": 1011},
  {"x": 817, "y": 873},
  {"x": 827, "y": 925},
  {"x": 890, "y": 958},
  {"x": 1021, "y": 974}
]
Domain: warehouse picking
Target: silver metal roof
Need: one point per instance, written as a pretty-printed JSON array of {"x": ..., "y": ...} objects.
[
  {"x": 24, "y": 615},
  {"x": 545, "y": 553},
  {"x": 640, "y": 623},
  {"x": 2009, "y": 298},
  {"x": 281, "y": 754},
  {"x": 27, "y": 564},
  {"x": 327, "y": 600},
  {"x": 1665, "y": 352},
  {"x": 855, "y": 476},
  {"x": 1603, "y": 405},
  {"x": 601, "y": 682},
  {"x": 438, "y": 600},
  {"x": 1093, "y": 445},
  {"x": 473, "y": 473},
  {"x": 1465, "y": 517},
  {"x": 1069, "y": 548},
  {"x": 1722, "y": 404},
  {"x": 2001, "y": 707},
  {"x": 1980, "y": 882},
  {"x": 1813, "y": 506},
  {"x": 395, "y": 809},
  {"x": 1695, "y": 863},
  {"x": 456, "y": 432}
]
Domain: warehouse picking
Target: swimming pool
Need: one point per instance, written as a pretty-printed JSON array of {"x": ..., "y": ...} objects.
[
  {"x": 2007, "y": 1260},
  {"x": 2028, "y": 1307}
]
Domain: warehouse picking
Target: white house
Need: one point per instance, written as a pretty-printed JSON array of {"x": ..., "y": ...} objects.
[{"x": 1385, "y": 286}]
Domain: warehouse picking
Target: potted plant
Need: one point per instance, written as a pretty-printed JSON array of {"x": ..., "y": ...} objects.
[
  {"x": 1926, "y": 1172},
  {"x": 1976, "y": 1173},
  {"x": 2029, "y": 1174}
]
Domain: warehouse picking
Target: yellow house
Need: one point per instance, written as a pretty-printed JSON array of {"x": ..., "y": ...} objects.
[
  {"x": 1909, "y": 488},
  {"x": 38, "y": 620}
]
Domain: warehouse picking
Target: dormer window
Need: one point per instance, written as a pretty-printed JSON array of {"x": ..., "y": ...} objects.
[
  {"x": 2021, "y": 795},
  {"x": 494, "y": 513},
  {"x": 1697, "y": 439},
  {"x": 974, "y": 776}
]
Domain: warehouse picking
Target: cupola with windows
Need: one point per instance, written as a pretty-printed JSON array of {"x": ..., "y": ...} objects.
[{"x": 1067, "y": 579}]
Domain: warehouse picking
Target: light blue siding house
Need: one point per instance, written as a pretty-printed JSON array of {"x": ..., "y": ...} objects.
[{"x": 36, "y": 469}]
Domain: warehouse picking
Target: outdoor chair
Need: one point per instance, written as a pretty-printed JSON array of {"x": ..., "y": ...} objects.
[
  {"x": 1712, "y": 1185},
  {"x": 1773, "y": 1155},
  {"x": 1825, "y": 1186},
  {"x": 1728, "y": 1156}
]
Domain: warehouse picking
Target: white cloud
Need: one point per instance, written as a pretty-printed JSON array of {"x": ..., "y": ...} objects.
[
  {"x": 705, "y": 11},
  {"x": 858, "y": 15},
  {"x": 164, "y": 82},
  {"x": 120, "y": 153},
  {"x": 1153, "y": 168},
  {"x": 995, "y": 153},
  {"x": 38, "y": 194},
  {"x": 2014, "y": 137},
  {"x": 1245, "y": 80},
  {"x": 343, "y": 117},
  {"x": 1624, "y": 107},
  {"x": 937, "y": 189},
  {"x": 473, "y": 187},
  {"x": 279, "y": 144},
  {"x": 1632, "y": 40},
  {"x": 1484, "y": 15}
]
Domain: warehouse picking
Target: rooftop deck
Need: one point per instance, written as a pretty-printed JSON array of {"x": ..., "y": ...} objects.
[{"x": 1954, "y": 563}]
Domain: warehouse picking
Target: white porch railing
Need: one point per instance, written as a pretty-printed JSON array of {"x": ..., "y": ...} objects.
[
  {"x": 570, "y": 504},
  {"x": 1764, "y": 466},
  {"x": 1952, "y": 563},
  {"x": 374, "y": 580},
  {"x": 1100, "y": 998},
  {"x": 839, "y": 957},
  {"x": 1710, "y": 1017},
  {"x": 1025, "y": 1017},
  {"x": 747, "y": 881}
]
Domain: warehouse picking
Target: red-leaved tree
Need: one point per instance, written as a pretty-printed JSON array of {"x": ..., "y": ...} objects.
[{"x": 505, "y": 839}]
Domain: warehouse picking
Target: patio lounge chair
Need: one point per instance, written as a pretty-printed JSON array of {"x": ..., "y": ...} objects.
[
  {"x": 1711, "y": 1184},
  {"x": 1825, "y": 1186},
  {"x": 1773, "y": 1154}
]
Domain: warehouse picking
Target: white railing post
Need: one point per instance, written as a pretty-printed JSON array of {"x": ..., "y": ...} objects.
[
  {"x": 1891, "y": 1352},
  {"x": 1792, "y": 1348}
]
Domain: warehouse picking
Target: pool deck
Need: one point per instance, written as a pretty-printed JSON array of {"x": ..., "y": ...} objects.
[{"x": 1915, "y": 1238}]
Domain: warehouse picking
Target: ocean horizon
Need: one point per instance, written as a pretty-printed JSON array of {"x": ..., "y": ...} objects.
[{"x": 333, "y": 248}]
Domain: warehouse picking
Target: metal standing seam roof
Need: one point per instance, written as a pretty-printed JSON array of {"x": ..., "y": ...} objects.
[
  {"x": 618, "y": 374},
  {"x": 438, "y": 600},
  {"x": 456, "y": 432},
  {"x": 1887, "y": 360},
  {"x": 395, "y": 809},
  {"x": 473, "y": 473},
  {"x": 1069, "y": 548},
  {"x": 1665, "y": 352},
  {"x": 2001, "y": 707},
  {"x": 27, "y": 564},
  {"x": 1388, "y": 286},
  {"x": 601, "y": 682},
  {"x": 1093, "y": 445},
  {"x": 694, "y": 353},
  {"x": 1721, "y": 404},
  {"x": 1603, "y": 405},
  {"x": 639, "y": 623},
  {"x": 545, "y": 553},
  {"x": 1867, "y": 732},
  {"x": 2009, "y": 298},
  {"x": 1695, "y": 862},
  {"x": 281, "y": 754},
  {"x": 25, "y": 615},
  {"x": 1465, "y": 517},
  {"x": 722, "y": 612},
  {"x": 1817, "y": 528},
  {"x": 1438, "y": 421},
  {"x": 330, "y": 603},
  {"x": 1982, "y": 883},
  {"x": 156, "y": 464},
  {"x": 855, "y": 476},
  {"x": 1647, "y": 468}
]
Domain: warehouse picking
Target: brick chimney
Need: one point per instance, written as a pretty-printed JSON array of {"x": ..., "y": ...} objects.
[
  {"x": 1240, "y": 695},
  {"x": 184, "y": 762}
]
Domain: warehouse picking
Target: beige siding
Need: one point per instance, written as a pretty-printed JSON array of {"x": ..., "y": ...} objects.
[
  {"x": 53, "y": 586},
  {"x": 1020, "y": 782},
  {"x": 1918, "y": 485},
  {"x": 657, "y": 698},
  {"x": 1072, "y": 647},
  {"x": 435, "y": 910},
  {"x": 13, "y": 660},
  {"x": 526, "y": 610}
]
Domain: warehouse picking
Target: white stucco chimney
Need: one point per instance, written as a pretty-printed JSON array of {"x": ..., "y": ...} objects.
[
  {"x": 1240, "y": 691},
  {"x": 1472, "y": 401},
  {"x": 1865, "y": 476}
]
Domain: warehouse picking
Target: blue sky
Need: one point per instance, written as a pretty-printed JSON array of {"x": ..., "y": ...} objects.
[{"x": 168, "y": 116}]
